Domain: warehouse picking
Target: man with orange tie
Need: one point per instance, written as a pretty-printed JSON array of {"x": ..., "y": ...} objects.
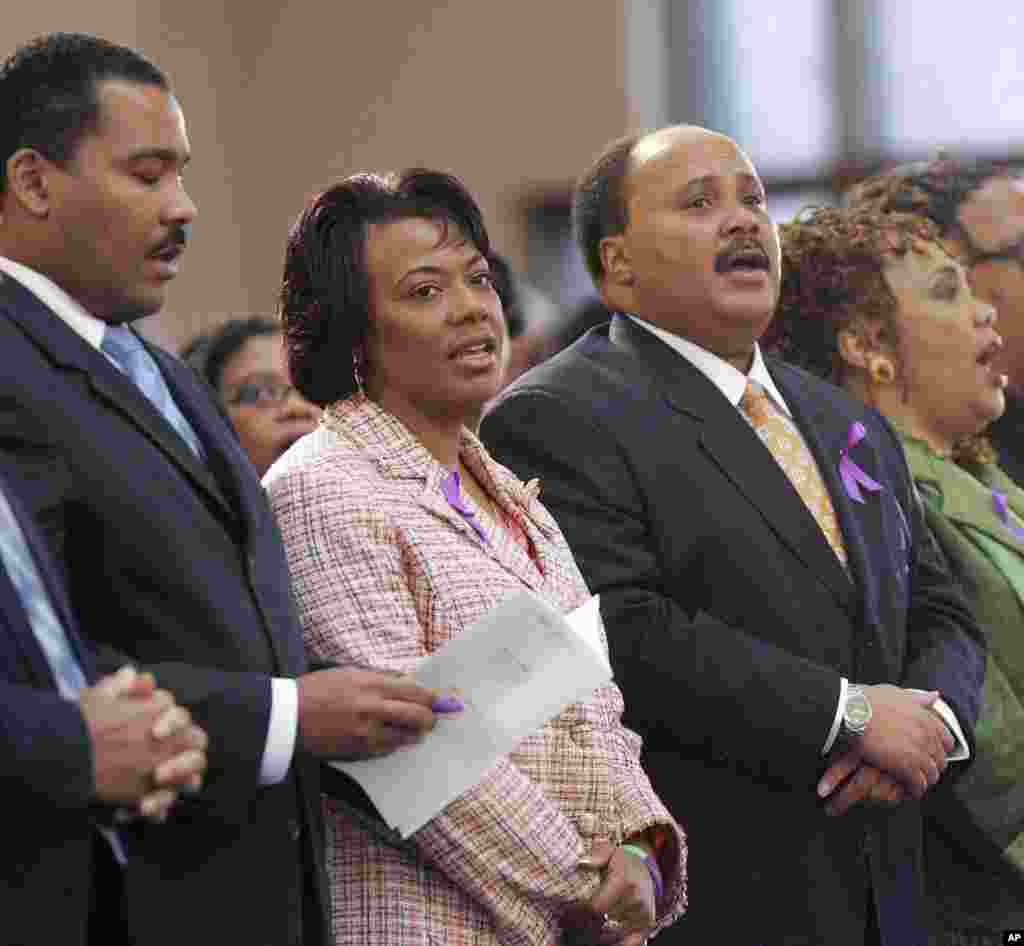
[{"x": 773, "y": 603}]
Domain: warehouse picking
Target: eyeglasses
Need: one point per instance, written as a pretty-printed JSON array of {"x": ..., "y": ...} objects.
[{"x": 260, "y": 393}]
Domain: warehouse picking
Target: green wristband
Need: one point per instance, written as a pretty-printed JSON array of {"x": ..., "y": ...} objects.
[{"x": 652, "y": 867}]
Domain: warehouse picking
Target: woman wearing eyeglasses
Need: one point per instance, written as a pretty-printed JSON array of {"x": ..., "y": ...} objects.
[
  {"x": 873, "y": 302},
  {"x": 401, "y": 532},
  {"x": 243, "y": 361}
]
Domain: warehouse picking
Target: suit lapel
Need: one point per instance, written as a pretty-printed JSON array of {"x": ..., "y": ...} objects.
[
  {"x": 500, "y": 546},
  {"x": 224, "y": 454},
  {"x": 68, "y": 350},
  {"x": 728, "y": 441},
  {"x": 826, "y": 438},
  {"x": 962, "y": 504}
]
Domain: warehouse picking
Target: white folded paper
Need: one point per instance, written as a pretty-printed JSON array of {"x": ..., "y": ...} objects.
[{"x": 516, "y": 668}]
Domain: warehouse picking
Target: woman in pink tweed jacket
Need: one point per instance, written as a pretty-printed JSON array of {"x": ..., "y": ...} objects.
[{"x": 401, "y": 532}]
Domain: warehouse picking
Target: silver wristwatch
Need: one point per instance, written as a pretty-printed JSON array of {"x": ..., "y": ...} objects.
[{"x": 856, "y": 711}]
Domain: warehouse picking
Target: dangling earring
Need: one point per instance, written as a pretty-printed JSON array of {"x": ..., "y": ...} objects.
[
  {"x": 881, "y": 369},
  {"x": 358, "y": 362}
]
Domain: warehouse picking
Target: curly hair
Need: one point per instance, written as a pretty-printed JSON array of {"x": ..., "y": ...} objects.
[
  {"x": 933, "y": 189},
  {"x": 325, "y": 291},
  {"x": 833, "y": 265}
]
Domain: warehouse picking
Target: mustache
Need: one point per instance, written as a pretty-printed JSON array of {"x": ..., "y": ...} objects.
[
  {"x": 747, "y": 248},
  {"x": 176, "y": 239}
]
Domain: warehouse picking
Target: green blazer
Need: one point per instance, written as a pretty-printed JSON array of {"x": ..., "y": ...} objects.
[{"x": 975, "y": 823}]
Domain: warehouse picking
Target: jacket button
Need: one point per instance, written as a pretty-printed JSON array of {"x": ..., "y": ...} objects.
[{"x": 294, "y": 829}]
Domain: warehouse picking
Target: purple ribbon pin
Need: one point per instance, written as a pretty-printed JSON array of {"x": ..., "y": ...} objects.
[
  {"x": 451, "y": 486},
  {"x": 1002, "y": 508},
  {"x": 853, "y": 476}
]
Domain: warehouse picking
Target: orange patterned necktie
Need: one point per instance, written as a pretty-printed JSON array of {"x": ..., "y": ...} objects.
[{"x": 792, "y": 455}]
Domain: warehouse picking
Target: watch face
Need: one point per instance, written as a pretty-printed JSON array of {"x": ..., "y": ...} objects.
[{"x": 858, "y": 712}]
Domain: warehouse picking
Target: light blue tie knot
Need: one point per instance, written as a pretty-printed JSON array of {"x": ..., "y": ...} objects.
[{"x": 126, "y": 350}]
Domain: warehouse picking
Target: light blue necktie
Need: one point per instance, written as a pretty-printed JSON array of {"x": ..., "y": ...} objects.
[
  {"x": 35, "y": 599},
  {"x": 125, "y": 349}
]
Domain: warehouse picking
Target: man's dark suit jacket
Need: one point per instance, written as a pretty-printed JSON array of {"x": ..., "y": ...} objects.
[
  {"x": 46, "y": 776},
  {"x": 178, "y": 565},
  {"x": 1007, "y": 436},
  {"x": 730, "y": 622}
]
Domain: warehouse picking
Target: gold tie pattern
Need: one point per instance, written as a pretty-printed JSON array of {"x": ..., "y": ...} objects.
[{"x": 792, "y": 455}]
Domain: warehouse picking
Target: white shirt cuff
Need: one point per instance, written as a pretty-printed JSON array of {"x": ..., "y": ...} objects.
[
  {"x": 834, "y": 731},
  {"x": 282, "y": 731},
  {"x": 961, "y": 751}
]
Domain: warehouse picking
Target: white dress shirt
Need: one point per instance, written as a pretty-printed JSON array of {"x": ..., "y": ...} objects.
[
  {"x": 732, "y": 383},
  {"x": 284, "y": 706}
]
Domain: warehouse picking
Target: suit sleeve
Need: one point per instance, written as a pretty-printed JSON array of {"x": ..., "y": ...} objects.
[
  {"x": 233, "y": 707},
  {"x": 735, "y": 698},
  {"x": 45, "y": 751},
  {"x": 503, "y": 842}
]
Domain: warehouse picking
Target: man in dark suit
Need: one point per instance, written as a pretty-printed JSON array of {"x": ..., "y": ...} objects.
[
  {"x": 151, "y": 508},
  {"x": 71, "y": 748},
  {"x": 766, "y": 628}
]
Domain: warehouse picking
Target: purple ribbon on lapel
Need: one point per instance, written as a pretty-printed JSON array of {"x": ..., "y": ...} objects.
[
  {"x": 451, "y": 487},
  {"x": 1002, "y": 508},
  {"x": 853, "y": 476}
]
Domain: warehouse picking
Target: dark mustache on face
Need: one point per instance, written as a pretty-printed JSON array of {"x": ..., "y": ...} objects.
[
  {"x": 729, "y": 252},
  {"x": 178, "y": 236}
]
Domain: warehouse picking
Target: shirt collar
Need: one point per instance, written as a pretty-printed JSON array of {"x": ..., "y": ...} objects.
[
  {"x": 57, "y": 300},
  {"x": 727, "y": 378}
]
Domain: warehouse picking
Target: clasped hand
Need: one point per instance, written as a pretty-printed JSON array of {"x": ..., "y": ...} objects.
[
  {"x": 902, "y": 753},
  {"x": 625, "y": 897},
  {"x": 145, "y": 747}
]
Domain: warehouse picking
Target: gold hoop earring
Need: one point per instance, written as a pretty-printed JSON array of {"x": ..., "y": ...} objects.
[{"x": 881, "y": 369}]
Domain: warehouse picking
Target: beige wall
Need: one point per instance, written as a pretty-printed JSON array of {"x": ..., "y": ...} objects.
[{"x": 282, "y": 98}]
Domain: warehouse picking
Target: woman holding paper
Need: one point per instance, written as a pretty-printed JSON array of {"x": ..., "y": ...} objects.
[
  {"x": 402, "y": 532},
  {"x": 874, "y": 303}
]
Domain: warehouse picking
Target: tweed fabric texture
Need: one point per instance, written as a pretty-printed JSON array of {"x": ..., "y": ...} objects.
[
  {"x": 384, "y": 573},
  {"x": 792, "y": 455}
]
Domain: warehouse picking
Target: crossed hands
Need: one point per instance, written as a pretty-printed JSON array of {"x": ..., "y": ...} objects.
[
  {"x": 145, "y": 747},
  {"x": 901, "y": 754}
]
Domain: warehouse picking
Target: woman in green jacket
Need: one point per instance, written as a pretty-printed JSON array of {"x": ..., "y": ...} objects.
[{"x": 874, "y": 303}]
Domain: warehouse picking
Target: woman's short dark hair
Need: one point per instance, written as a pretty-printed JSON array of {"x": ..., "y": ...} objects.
[
  {"x": 325, "y": 292},
  {"x": 48, "y": 92},
  {"x": 207, "y": 354}
]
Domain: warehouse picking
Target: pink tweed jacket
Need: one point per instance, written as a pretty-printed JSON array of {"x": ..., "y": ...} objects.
[{"x": 384, "y": 572}]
